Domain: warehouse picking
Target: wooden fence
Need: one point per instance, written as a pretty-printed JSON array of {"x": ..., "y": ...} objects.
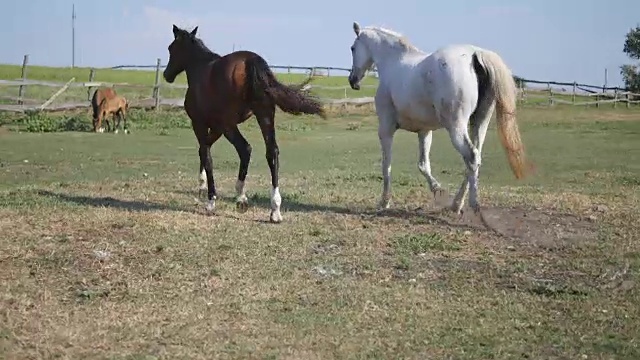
[
  {"x": 554, "y": 92},
  {"x": 550, "y": 93}
]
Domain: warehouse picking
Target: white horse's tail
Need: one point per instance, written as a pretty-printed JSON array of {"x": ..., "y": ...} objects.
[{"x": 504, "y": 87}]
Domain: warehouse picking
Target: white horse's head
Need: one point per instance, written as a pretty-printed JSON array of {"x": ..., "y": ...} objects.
[
  {"x": 372, "y": 44},
  {"x": 362, "y": 59}
]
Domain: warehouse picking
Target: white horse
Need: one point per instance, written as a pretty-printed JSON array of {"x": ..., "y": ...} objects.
[{"x": 451, "y": 88}]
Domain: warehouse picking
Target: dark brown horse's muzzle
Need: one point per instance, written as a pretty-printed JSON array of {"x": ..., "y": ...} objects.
[{"x": 168, "y": 78}]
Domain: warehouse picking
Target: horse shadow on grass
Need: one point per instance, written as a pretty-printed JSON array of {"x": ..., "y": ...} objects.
[
  {"x": 423, "y": 215},
  {"x": 110, "y": 202},
  {"x": 289, "y": 203}
]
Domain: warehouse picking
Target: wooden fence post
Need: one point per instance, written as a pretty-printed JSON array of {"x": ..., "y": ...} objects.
[
  {"x": 156, "y": 86},
  {"x": 54, "y": 96},
  {"x": 92, "y": 75},
  {"x": 25, "y": 62},
  {"x": 573, "y": 95},
  {"x": 615, "y": 97},
  {"x": 550, "y": 94},
  {"x": 628, "y": 100}
]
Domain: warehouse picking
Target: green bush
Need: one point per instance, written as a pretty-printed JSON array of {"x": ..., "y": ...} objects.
[{"x": 37, "y": 121}]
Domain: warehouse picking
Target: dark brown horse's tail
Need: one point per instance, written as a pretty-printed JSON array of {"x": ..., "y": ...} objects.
[{"x": 289, "y": 98}]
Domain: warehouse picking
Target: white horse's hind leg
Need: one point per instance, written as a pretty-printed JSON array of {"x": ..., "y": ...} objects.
[
  {"x": 472, "y": 159},
  {"x": 479, "y": 125}
]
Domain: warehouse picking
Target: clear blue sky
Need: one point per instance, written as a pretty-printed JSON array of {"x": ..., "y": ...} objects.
[{"x": 563, "y": 40}]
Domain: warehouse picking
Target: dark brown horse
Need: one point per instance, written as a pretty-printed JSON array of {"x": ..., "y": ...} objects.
[
  {"x": 105, "y": 102},
  {"x": 223, "y": 92}
]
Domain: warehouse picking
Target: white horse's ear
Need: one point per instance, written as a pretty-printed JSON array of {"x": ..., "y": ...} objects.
[{"x": 356, "y": 28}]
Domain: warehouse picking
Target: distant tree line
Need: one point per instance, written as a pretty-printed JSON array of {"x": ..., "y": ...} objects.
[{"x": 631, "y": 72}]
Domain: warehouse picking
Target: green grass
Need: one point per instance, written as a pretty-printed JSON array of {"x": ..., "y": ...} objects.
[
  {"x": 105, "y": 254},
  {"x": 144, "y": 77}
]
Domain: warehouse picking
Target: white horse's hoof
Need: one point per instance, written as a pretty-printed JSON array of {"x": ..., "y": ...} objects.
[
  {"x": 242, "y": 204},
  {"x": 384, "y": 205},
  {"x": 275, "y": 217},
  {"x": 456, "y": 209}
]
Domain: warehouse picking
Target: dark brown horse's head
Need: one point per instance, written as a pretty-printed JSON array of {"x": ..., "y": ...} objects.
[{"x": 180, "y": 52}]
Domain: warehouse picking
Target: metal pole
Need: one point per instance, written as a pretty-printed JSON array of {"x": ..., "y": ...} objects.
[{"x": 73, "y": 36}]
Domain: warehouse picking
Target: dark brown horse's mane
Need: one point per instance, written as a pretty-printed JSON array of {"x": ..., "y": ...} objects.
[
  {"x": 207, "y": 53},
  {"x": 200, "y": 48}
]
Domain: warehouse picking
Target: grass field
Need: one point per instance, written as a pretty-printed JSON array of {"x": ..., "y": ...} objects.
[{"x": 105, "y": 253}]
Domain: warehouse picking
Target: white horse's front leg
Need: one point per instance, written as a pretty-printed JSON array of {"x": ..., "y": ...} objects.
[
  {"x": 424, "y": 164},
  {"x": 386, "y": 132}
]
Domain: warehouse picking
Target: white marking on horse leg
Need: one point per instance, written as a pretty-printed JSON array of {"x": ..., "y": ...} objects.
[
  {"x": 276, "y": 201},
  {"x": 240, "y": 192},
  {"x": 203, "y": 180},
  {"x": 115, "y": 131},
  {"x": 424, "y": 163},
  {"x": 126, "y": 131},
  {"x": 242, "y": 202},
  {"x": 211, "y": 205}
]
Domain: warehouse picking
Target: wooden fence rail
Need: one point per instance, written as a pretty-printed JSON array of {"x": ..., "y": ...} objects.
[{"x": 579, "y": 95}]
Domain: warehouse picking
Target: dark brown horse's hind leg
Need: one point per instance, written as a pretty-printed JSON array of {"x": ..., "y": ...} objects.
[
  {"x": 267, "y": 126},
  {"x": 243, "y": 148}
]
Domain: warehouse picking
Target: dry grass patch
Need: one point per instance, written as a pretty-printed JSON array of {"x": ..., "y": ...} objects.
[{"x": 117, "y": 260}]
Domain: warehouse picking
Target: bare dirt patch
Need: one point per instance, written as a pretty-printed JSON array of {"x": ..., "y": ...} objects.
[
  {"x": 535, "y": 226},
  {"x": 539, "y": 227}
]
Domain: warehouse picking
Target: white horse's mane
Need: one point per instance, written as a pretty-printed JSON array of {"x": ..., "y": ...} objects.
[{"x": 393, "y": 37}]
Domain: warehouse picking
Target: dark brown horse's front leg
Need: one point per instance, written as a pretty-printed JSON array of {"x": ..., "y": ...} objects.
[
  {"x": 205, "y": 159},
  {"x": 269, "y": 134},
  {"x": 205, "y": 141}
]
